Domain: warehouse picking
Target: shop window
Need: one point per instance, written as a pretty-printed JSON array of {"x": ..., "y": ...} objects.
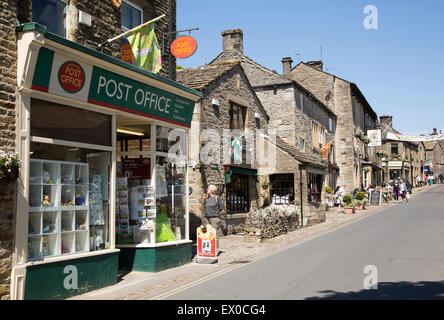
[
  {"x": 68, "y": 200},
  {"x": 151, "y": 205},
  {"x": 171, "y": 197},
  {"x": 51, "y": 14},
  {"x": 69, "y": 123},
  {"x": 237, "y": 117},
  {"x": 394, "y": 149},
  {"x": 172, "y": 141},
  {"x": 238, "y": 199},
  {"x": 314, "y": 187},
  {"x": 282, "y": 188}
]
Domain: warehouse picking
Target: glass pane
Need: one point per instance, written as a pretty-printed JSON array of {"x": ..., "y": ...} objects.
[
  {"x": 171, "y": 201},
  {"x": 126, "y": 16},
  {"x": 136, "y": 15},
  {"x": 49, "y": 13},
  {"x": 51, "y": 120},
  {"x": 69, "y": 200}
]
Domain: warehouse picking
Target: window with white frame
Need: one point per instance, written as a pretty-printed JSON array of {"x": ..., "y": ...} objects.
[
  {"x": 51, "y": 14},
  {"x": 132, "y": 15}
]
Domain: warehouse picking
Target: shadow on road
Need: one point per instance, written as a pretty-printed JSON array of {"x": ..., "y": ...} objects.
[{"x": 423, "y": 290}]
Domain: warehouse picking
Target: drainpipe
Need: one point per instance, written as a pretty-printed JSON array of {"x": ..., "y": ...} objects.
[
  {"x": 172, "y": 37},
  {"x": 301, "y": 191}
]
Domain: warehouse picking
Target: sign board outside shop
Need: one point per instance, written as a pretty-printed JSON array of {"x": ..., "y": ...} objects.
[
  {"x": 376, "y": 198},
  {"x": 56, "y": 74},
  {"x": 206, "y": 244},
  {"x": 375, "y": 138},
  {"x": 183, "y": 47}
]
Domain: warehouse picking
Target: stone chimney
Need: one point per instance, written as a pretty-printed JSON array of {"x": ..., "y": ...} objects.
[
  {"x": 386, "y": 121},
  {"x": 233, "y": 40},
  {"x": 286, "y": 65},
  {"x": 435, "y": 132},
  {"x": 316, "y": 64}
]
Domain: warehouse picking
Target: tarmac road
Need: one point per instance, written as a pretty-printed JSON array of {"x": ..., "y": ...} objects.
[{"x": 404, "y": 242}]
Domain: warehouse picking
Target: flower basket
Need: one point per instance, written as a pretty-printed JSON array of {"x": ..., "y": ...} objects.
[{"x": 9, "y": 167}]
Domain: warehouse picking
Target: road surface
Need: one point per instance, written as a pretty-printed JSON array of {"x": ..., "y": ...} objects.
[{"x": 402, "y": 247}]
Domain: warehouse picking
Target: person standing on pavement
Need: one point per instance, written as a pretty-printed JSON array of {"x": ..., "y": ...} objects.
[
  {"x": 339, "y": 195},
  {"x": 396, "y": 190},
  {"x": 214, "y": 205},
  {"x": 403, "y": 190}
]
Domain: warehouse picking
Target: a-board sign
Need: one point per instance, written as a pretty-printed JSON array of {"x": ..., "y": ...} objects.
[{"x": 376, "y": 198}]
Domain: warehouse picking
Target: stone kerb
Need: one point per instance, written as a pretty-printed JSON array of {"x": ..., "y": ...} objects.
[{"x": 270, "y": 222}]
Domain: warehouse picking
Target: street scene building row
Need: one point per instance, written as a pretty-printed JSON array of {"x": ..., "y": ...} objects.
[{"x": 97, "y": 189}]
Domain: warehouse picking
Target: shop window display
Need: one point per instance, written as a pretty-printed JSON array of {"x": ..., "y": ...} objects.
[
  {"x": 171, "y": 199},
  {"x": 68, "y": 200}
]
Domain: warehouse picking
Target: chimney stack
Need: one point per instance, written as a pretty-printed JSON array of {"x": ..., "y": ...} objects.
[
  {"x": 435, "y": 132},
  {"x": 316, "y": 64},
  {"x": 386, "y": 121},
  {"x": 233, "y": 40},
  {"x": 286, "y": 65}
]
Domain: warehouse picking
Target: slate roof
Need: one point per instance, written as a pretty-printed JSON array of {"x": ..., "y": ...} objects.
[
  {"x": 298, "y": 155},
  {"x": 201, "y": 77}
]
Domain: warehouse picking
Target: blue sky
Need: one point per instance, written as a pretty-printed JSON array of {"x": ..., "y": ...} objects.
[{"x": 399, "y": 67}]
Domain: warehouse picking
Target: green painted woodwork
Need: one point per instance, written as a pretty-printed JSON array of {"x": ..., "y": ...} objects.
[
  {"x": 47, "y": 281},
  {"x": 31, "y": 26},
  {"x": 154, "y": 259},
  {"x": 43, "y": 68}
]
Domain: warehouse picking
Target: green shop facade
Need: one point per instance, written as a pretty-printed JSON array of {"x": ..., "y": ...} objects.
[{"x": 104, "y": 182}]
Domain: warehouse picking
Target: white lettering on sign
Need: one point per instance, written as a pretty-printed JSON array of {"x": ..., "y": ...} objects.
[{"x": 121, "y": 90}]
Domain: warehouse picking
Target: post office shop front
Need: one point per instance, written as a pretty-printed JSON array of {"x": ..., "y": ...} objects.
[{"x": 98, "y": 190}]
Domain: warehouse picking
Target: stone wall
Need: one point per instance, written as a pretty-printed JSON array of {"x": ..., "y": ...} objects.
[
  {"x": 8, "y": 70},
  {"x": 106, "y": 23},
  {"x": 271, "y": 222}
]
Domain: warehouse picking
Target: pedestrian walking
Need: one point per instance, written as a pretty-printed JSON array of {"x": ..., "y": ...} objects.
[
  {"x": 214, "y": 205},
  {"x": 338, "y": 198},
  {"x": 403, "y": 191},
  {"x": 396, "y": 190}
]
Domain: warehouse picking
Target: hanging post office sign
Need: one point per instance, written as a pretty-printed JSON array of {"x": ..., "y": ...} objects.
[
  {"x": 56, "y": 74},
  {"x": 183, "y": 47}
]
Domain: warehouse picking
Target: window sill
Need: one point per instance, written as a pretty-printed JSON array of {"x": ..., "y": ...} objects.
[
  {"x": 165, "y": 244},
  {"x": 71, "y": 257}
]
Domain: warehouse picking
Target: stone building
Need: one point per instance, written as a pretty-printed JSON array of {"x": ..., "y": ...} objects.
[
  {"x": 354, "y": 117},
  {"x": 303, "y": 124},
  {"x": 228, "y": 104},
  {"x": 405, "y": 159},
  {"x": 434, "y": 156},
  {"x": 72, "y": 22}
]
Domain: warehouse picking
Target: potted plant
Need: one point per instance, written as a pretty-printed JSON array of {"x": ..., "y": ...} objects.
[
  {"x": 366, "y": 169},
  {"x": 361, "y": 200},
  {"x": 9, "y": 166},
  {"x": 348, "y": 204}
]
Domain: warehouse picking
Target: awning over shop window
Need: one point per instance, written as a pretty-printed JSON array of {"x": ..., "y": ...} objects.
[{"x": 235, "y": 170}]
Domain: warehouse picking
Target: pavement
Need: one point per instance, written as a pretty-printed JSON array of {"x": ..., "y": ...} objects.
[{"x": 236, "y": 253}]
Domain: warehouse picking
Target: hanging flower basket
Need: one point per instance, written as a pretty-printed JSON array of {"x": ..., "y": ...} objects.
[
  {"x": 9, "y": 167},
  {"x": 361, "y": 136},
  {"x": 366, "y": 169}
]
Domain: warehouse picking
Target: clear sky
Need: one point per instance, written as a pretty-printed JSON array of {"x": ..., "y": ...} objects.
[{"x": 399, "y": 67}]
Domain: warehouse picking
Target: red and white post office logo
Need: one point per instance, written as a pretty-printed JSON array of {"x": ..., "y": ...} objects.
[{"x": 71, "y": 77}]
